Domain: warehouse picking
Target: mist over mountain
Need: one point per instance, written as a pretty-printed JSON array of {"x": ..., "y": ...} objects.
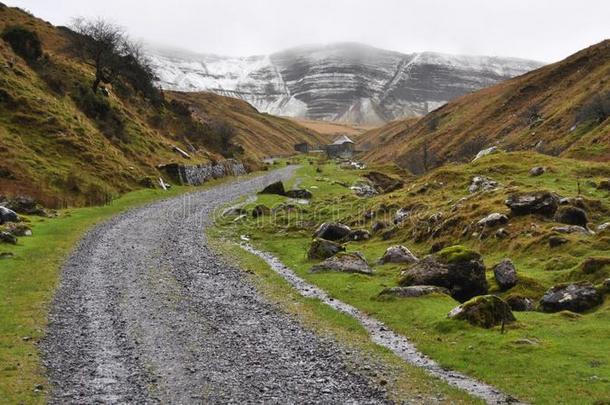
[{"x": 344, "y": 82}]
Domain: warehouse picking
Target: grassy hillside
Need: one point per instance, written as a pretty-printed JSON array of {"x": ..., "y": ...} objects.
[
  {"x": 66, "y": 145},
  {"x": 564, "y": 352},
  {"x": 258, "y": 134},
  {"x": 554, "y": 110}
]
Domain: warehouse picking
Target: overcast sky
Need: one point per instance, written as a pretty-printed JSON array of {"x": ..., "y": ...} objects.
[{"x": 545, "y": 30}]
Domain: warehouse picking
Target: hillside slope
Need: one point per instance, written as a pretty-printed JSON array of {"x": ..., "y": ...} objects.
[
  {"x": 554, "y": 110},
  {"x": 259, "y": 134},
  {"x": 63, "y": 144},
  {"x": 342, "y": 82}
]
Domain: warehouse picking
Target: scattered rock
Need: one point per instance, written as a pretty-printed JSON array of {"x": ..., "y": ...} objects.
[
  {"x": 603, "y": 227},
  {"x": 502, "y": 233},
  {"x": 540, "y": 202},
  {"x": 412, "y": 292},
  {"x": 274, "y": 188},
  {"x": 300, "y": 194},
  {"x": 555, "y": 241},
  {"x": 456, "y": 268},
  {"x": 401, "y": 215},
  {"x": 527, "y": 342},
  {"x": 575, "y": 297},
  {"x": 323, "y": 249},
  {"x": 520, "y": 303},
  {"x": 19, "y": 229},
  {"x": 485, "y": 152},
  {"x": 398, "y": 254},
  {"x": 572, "y": 229},
  {"x": 571, "y": 216},
  {"x": 332, "y": 231},
  {"x": 260, "y": 210},
  {"x": 485, "y": 311},
  {"x": 8, "y": 215},
  {"x": 345, "y": 263},
  {"x": 364, "y": 190},
  {"x": 389, "y": 233},
  {"x": 378, "y": 226},
  {"x": 6, "y": 255},
  {"x": 493, "y": 220},
  {"x": 359, "y": 234},
  {"x": 506, "y": 274},
  {"x": 537, "y": 171},
  {"x": 383, "y": 183},
  {"x": 6, "y": 237},
  {"x": 482, "y": 183}
]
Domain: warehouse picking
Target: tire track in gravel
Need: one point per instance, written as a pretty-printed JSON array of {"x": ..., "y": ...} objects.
[{"x": 146, "y": 313}]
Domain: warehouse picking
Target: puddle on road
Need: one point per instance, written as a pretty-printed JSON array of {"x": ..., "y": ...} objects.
[{"x": 382, "y": 335}]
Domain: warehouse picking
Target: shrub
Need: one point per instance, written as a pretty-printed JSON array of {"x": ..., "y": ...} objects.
[
  {"x": 24, "y": 42},
  {"x": 98, "y": 108},
  {"x": 596, "y": 109}
]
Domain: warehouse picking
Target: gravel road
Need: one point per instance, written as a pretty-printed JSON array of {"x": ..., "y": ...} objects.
[{"x": 146, "y": 313}]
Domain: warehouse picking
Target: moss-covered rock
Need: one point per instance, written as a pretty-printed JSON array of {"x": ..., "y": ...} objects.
[
  {"x": 485, "y": 311},
  {"x": 323, "y": 249},
  {"x": 457, "y": 254}
]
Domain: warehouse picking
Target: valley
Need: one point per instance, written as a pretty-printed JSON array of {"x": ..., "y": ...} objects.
[{"x": 335, "y": 223}]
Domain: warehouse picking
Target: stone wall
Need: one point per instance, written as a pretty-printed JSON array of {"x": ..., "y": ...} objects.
[{"x": 194, "y": 175}]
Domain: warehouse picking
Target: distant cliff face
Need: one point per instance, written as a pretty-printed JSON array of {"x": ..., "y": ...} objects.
[{"x": 341, "y": 82}]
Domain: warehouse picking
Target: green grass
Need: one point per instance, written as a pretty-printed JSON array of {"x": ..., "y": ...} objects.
[
  {"x": 405, "y": 383},
  {"x": 569, "y": 360},
  {"x": 28, "y": 281}
]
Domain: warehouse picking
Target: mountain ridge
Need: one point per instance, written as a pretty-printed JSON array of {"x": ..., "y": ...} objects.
[{"x": 342, "y": 82}]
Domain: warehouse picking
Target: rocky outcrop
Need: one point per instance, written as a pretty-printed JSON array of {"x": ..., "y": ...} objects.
[
  {"x": 332, "y": 231},
  {"x": 412, "y": 291},
  {"x": 485, "y": 311},
  {"x": 383, "y": 183},
  {"x": 482, "y": 183},
  {"x": 344, "y": 263},
  {"x": 398, "y": 254},
  {"x": 359, "y": 235},
  {"x": 575, "y": 297},
  {"x": 485, "y": 152},
  {"x": 456, "y": 268},
  {"x": 195, "y": 175},
  {"x": 25, "y": 205},
  {"x": 493, "y": 220},
  {"x": 505, "y": 274},
  {"x": 540, "y": 202},
  {"x": 323, "y": 249}
]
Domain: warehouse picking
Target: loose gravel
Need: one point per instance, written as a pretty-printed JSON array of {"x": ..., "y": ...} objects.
[{"x": 146, "y": 313}]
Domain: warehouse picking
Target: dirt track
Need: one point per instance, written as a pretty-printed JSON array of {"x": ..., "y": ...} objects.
[{"x": 146, "y": 312}]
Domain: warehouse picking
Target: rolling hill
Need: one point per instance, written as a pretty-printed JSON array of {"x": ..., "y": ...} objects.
[
  {"x": 65, "y": 145},
  {"x": 560, "y": 109}
]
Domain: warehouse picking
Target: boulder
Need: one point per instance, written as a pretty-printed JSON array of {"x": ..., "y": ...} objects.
[
  {"x": 344, "y": 263},
  {"x": 575, "y": 297},
  {"x": 572, "y": 229},
  {"x": 485, "y": 152},
  {"x": 520, "y": 303},
  {"x": 364, "y": 190},
  {"x": 398, "y": 254},
  {"x": 412, "y": 292},
  {"x": 8, "y": 215},
  {"x": 539, "y": 202},
  {"x": 6, "y": 237},
  {"x": 379, "y": 226},
  {"x": 493, "y": 220},
  {"x": 332, "y": 231},
  {"x": 26, "y": 205},
  {"x": 456, "y": 268},
  {"x": 323, "y": 249},
  {"x": 537, "y": 171},
  {"x": 260, "y": 210},
  {"x": 274, "y": 188},
  {"x": 382, "y": 182},
  {"x": 359, "y": 234},
  {"x": 299, "y": 193},
  {"x": 482, "y": 183},
  {"x": 485, "y": 311},
  {"x": 571, "y": 216},
  {"x": 505, "y": 274},
  {"x": 555, "y": 241}
]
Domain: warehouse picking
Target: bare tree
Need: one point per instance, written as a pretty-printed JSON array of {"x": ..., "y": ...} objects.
[{"x": 100, "y": 44}]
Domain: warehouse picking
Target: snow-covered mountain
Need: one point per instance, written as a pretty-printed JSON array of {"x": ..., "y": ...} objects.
[{"x": 344, "y": 82}]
